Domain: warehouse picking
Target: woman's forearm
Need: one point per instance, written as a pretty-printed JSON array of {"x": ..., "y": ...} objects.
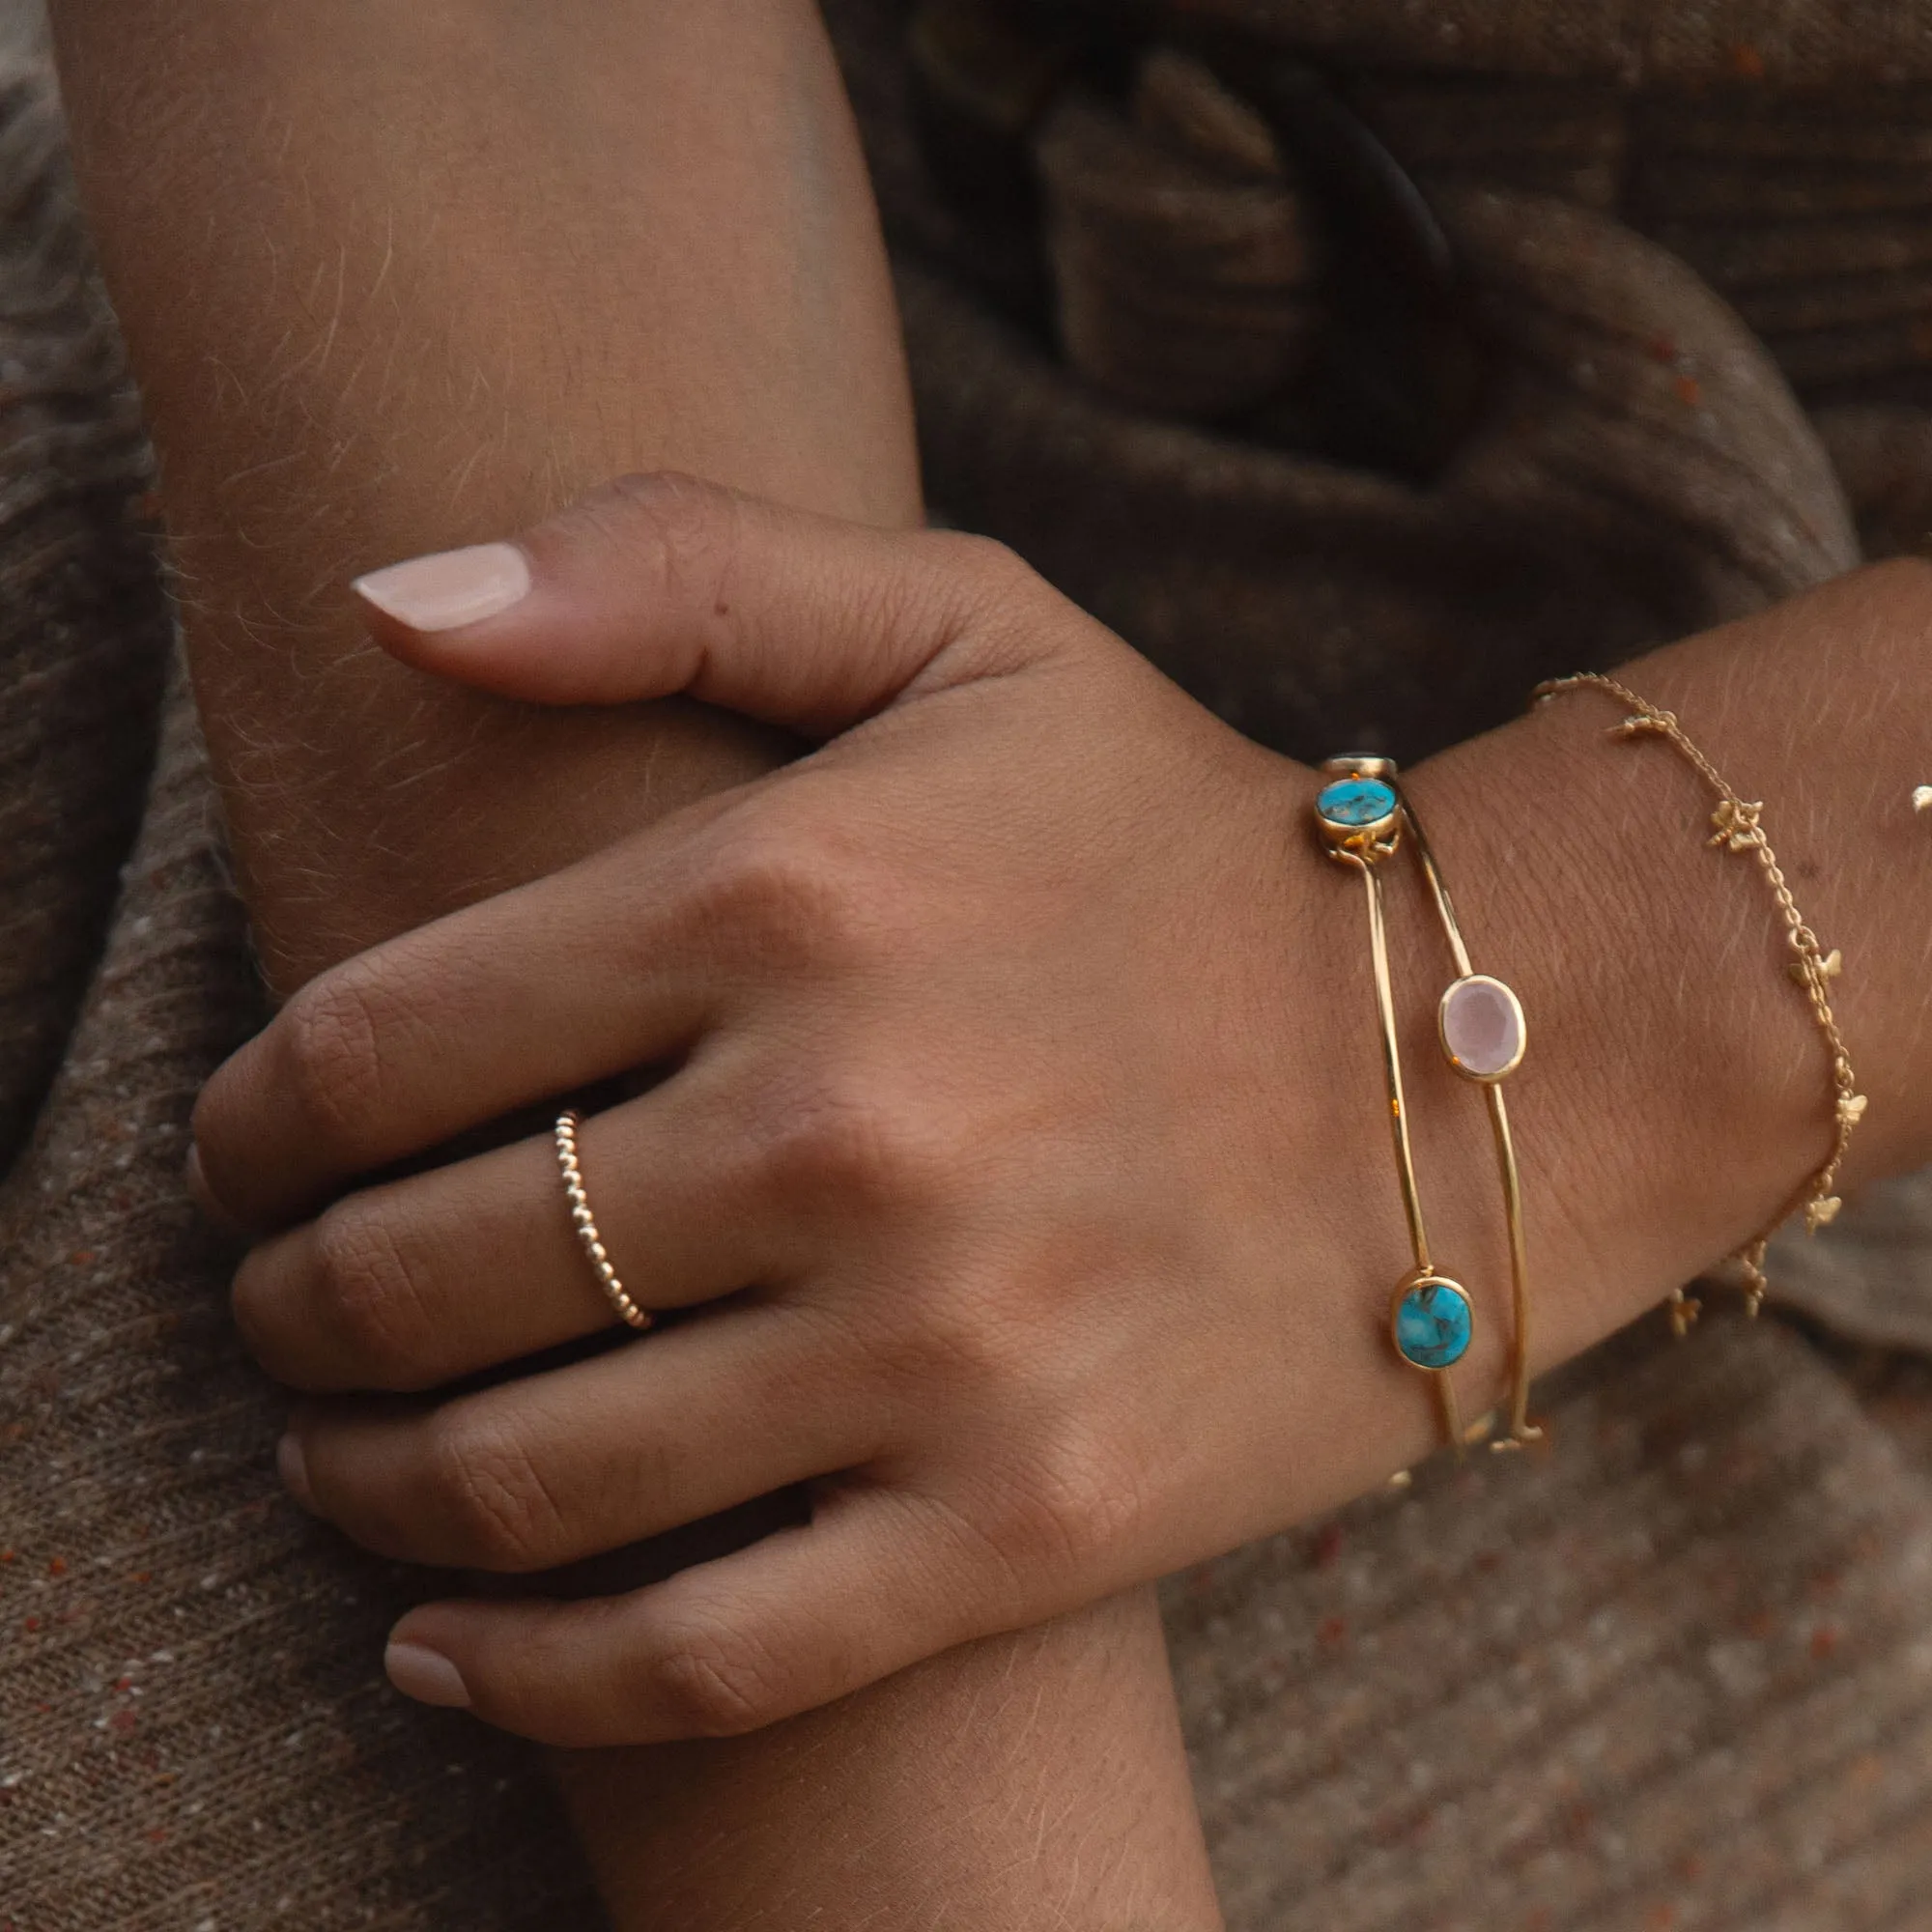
[
  {"x": 1019, "y": 1783},
  {"x": 397, "y": 278}
]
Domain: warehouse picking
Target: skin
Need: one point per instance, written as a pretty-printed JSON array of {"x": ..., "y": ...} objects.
[
  {"x": 400, "y": 277},
  {"x": 1021, "y": 1151}
]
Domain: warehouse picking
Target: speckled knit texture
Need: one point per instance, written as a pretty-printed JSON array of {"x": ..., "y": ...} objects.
[
  {"x": 194, "y": 1727},
  {"x": 1673, "y": 1672},
  {"x": 1632, "y": 41},
  {"x": 83, "y": 624},
  {"x": 1676, "y": 1672},
  {"x": 1639, "y": 469}
]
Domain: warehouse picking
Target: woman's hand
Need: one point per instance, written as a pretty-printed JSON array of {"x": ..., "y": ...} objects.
[{"x": 1020, "y": 1158}]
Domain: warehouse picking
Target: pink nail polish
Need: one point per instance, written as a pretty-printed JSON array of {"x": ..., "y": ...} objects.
[
  {"x": 426, "y": 1675},
  {"x": 449, "y": 589}
]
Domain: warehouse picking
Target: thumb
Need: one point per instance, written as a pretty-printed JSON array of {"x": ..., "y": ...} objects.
[{"x": 659, "y": 584}]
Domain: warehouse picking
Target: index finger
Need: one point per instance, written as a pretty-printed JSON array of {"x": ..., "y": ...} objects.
[{"x": 595, "y": 971}]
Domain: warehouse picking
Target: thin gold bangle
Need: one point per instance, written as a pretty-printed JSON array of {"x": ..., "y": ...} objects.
[
  {"x": 1431, "y": 1319},
  {"x": 1469, "y": 982},
  {"x": 1739, "y": 824}
]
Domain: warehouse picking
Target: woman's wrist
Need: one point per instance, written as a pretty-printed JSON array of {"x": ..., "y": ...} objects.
[
  {"x": 1646, "y": 1147},
  {"x": 1676, "y": 1096}
]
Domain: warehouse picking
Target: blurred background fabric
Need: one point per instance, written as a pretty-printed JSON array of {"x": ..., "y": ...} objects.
[{"x": 1362, "y": 363}]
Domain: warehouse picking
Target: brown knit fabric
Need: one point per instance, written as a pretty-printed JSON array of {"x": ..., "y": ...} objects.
[
  {"x": 1674, "y": 1672},
  {"x": 1797, "y": 43},
  {"x": 194, "y": 1727},
  {"x": 82, "y": 621},
  {"x": 1779, "y": 150},
  {"x": 1641, "y": 468},
  {"x": 1872, "y": 1278}
]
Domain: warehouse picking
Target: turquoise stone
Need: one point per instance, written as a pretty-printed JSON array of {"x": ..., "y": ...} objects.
[
  {"x": 1434, "y": 1325},
  {"x": 1353, "y": 803}
]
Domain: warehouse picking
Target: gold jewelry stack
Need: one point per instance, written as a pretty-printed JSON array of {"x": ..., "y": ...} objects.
[
  {"x": 1739, "y": 828},
  {"x": 1362, "y": 819}
]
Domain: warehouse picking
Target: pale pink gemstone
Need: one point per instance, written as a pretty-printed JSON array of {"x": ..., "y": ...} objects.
[{"x": 1481, "y": 1027}]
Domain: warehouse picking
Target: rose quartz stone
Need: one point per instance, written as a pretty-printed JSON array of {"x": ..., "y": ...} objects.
[{"x": 1482, "y": 1026}]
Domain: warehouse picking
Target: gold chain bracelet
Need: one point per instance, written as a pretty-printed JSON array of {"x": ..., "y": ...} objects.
[{"x": 1740, "y": 828}]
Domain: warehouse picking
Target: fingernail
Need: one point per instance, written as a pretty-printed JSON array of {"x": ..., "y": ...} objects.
[
  {"x": 426, "y": 1675},
  {"x": 201, "y": 1196},
  {"x": 292, "y": 1469},
  {"x": 451, "y": 589}
]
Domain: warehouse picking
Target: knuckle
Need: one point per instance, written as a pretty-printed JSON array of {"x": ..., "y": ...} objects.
[
  {"x": 677, "y": 527},
  {"x": 1000, "y": 606},
  {"x": 965, "y": 1341},
  {"x": 1079, "y": 1500},
  {"x": 981, "y": 578},
  {"x": 488, "y": 1489},
  {"x": 265, "y": 1303},
  {"x": 330, "y": 1054},
  {"x": 791, "y": 892},
  {"x": 861, "y": 1144},
  {"x": 711, "y": 1683},
  {"x": 981, "y": 559},
  {"x": 370, "y": 1295}
]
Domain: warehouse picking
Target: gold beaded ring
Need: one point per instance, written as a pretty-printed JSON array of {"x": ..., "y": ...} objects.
[
  {"x": 567, "y": 1124},
  {"x": 1739, "y": 824}
]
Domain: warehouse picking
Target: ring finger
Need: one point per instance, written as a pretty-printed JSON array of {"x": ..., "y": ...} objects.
[{"x": 415, "y": 1283}]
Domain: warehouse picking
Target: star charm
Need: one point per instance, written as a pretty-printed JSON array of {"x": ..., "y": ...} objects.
[
  {"x": 1852, "y": 1109},
  {"x": 1822, "y": 1212},
  {"x": 1829, "y": 967},
  {"x": 1737, "y": 825}
]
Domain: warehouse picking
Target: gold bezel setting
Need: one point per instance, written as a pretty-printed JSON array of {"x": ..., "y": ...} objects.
[
  {"x": 1432, "y": 1285},
  {"x": 1360, "y": 813}
]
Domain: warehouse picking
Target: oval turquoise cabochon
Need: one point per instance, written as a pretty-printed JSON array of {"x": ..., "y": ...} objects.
[
  {"x": 1434, "y": 1325},
  {"x": 1353, "y": 803}
]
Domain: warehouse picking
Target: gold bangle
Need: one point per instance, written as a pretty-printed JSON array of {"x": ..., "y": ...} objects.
[
  {"x": 1431, "y": 1319},
  {"x": 588, "y": 1237},
  {"x": 1488, "y": 1063},
  {"x": 1739, "y": 828}
]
